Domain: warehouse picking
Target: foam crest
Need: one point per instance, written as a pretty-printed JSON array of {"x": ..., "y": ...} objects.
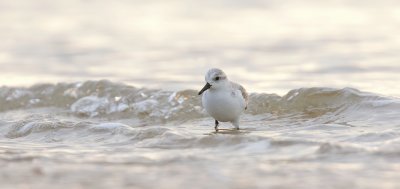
[{"x": 115, "y": 100}]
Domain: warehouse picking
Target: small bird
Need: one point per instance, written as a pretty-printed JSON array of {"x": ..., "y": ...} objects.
[{"x": 224, "y": 100}]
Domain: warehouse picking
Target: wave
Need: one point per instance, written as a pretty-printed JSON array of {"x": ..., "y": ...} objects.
[
  {"x": 53, "y": 130},
  {"x": 116, "y": 100},
  {"x": 65, "y": 134}
]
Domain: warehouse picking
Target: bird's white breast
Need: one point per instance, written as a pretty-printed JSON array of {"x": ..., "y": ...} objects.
[{"x": 223, "y": 105}]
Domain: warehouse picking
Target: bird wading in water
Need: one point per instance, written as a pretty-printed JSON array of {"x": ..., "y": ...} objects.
[{"x": 223, "y": 100}]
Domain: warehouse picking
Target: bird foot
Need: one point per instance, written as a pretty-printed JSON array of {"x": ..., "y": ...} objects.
[{"x": 216, "y": 126}]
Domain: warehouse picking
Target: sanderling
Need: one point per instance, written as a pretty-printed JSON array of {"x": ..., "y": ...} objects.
[{"x": 224, "y": 100}]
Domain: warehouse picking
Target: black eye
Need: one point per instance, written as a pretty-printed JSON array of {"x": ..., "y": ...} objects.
[{"x": 217, "y": 78}]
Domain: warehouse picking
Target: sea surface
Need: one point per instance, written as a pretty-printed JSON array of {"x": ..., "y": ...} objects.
[{"x": 103, "y": 94}]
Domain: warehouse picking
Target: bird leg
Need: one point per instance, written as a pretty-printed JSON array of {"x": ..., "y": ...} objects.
[
  {"x": 236, "y": 124},
  {"x": 216, "y": 125}
]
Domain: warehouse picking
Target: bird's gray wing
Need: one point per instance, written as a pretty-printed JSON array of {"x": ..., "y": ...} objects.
[{"x": 243, "y": 91}]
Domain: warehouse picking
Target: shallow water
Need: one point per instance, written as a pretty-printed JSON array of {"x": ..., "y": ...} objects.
[
  {"x": 101, "y": 134},
  {"x": 323, "y": 81}
]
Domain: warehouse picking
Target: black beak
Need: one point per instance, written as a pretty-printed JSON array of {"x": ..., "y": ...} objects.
[{"x": 207, "y": 86}]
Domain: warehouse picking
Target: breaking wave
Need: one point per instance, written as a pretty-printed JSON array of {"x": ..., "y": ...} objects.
[
  {"x": 323, "y": 122},
  {"x": 115, "y": 100}
]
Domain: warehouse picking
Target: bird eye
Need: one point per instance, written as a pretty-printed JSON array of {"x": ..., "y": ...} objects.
[{"x": 217, "y": 78}]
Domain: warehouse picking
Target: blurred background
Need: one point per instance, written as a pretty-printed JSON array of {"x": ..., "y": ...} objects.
[{"x": 269, "y": 46}]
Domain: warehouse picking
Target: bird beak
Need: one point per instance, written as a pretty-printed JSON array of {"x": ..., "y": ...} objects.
[{"x": 207, "y": 86}]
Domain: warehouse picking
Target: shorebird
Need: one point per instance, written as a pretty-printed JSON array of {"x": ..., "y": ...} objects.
[{"x": 224, "y": 100}]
